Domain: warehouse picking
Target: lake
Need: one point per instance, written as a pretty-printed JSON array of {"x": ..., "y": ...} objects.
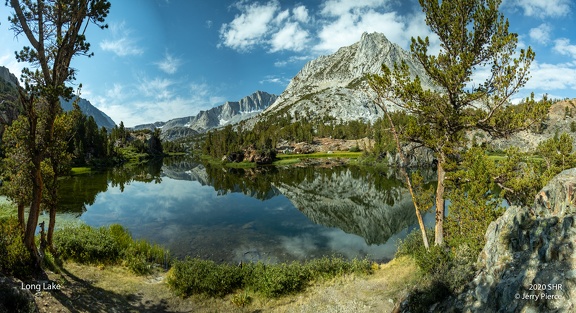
[{"x": 267, "y": 214}]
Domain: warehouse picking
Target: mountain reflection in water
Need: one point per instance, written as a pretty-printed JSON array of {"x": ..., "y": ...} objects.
[{"x": 268, "y": 213}]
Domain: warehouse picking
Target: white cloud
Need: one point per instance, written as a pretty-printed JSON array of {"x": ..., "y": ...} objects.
[
  {"x": 248, "y": 28},
  {"x": 158, "y": 88},
  {"x": 155, "y": 99},
  {"x": 564, "y": 47},
  {"x": 544, "y": 8},
  {"x": 290, "y": 37},
  {"x": 293, "y": 59},
  {"x": 301, "y": 14},
  {"x": 345, "y": 21},
  {"x": 169, "y": 64},
  {"x": 541, "y": 34},
  {"x": 549, "y": 77},
  {"x": 273, "y": 79},
  {"x": 268, "y": 26},
  {"x": 122, "y": 43},
  {"x": 342, "y": 7}
]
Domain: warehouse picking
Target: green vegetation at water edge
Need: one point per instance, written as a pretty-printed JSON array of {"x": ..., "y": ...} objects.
[
  {"x": 80, "y": 170},
  {"x": 196, "y": 276},
  {"x": 109, "y": 245}
]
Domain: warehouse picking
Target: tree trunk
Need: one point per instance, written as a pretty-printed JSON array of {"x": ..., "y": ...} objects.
[
  {"x": 21, "y": 221},
  {"x": 439, "y": 229},
  {"x": 405, "y": 174},
  {"x": 34, "y": 210},
  {"x": 51, "y": 225},
  {"x": 409, "y": 183}
]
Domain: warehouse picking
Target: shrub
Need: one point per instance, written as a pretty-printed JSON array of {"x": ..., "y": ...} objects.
[
  {"x": 195, "y": 276},
  {"x": 14, "y": 259},
  {"x": 277, "y": 280},
  {"x": 86, "y": 244},
  {"x": 241, "y": 299},
  {"x": 112, "y": 245},
  {"x": 13, "y": 301}
]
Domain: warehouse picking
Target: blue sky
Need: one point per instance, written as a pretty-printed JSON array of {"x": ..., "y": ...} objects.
[{"x": 162, "y": 59}]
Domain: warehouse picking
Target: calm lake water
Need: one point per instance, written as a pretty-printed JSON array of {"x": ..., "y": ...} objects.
[{"x": 269, "y": 214}]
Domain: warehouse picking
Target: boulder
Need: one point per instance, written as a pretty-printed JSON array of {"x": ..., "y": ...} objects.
[
  {"x": 529, "y": 263},
  {"x": 14, "y": 298}
]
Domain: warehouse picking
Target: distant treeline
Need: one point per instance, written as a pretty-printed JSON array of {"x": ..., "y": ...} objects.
[{"x": 268, "y": 133}]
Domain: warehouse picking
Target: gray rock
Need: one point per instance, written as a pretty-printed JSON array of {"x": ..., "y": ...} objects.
[
  {"x": 528, "y": 263},
  {"x": 14, "y": 298}
]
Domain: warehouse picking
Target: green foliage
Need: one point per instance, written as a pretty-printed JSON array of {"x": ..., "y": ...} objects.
[
  {"x": 451, "y": 268},
  {"x": 422, "y": 298},
  {"x": 195, "y": 276},
  {"x": 109, "y": 245},
  {"x": 277, "y": 280},
  {"x": 86, "y": 244},
  {"x": 241, "y": 299},
  {"x": 15, "y": 259},
  {"x": 440, "y": 117},
  {"x": 557, "y": 155},
  {"x": 473, "y": 204}
]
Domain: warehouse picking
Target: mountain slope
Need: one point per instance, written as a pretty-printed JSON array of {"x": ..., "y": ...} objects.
[
  {"x": 8, "y": 77},
  {"x": 11, "y": 82},
  {"x": 335, "y": 86},
  {"x": 101, "y": 119}
]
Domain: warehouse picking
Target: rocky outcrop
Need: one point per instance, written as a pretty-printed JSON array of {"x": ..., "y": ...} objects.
[
  {"x": 8, "y": 77},
  {"x": 170, "y": 134},
  {"x": 416, "y": 156},
  {"x": 529, "y": 263},
  {"x": 14, "y": 298}
]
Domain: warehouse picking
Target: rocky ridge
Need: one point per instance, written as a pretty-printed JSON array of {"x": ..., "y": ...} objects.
[
  {"x": 7, "y": 76},
  {"x": 101, "y": 119},
  {"x": 231, "y": 112}
]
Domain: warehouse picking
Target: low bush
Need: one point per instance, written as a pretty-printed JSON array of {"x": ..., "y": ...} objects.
[
  {"x": 445, "y": 270},
  {"x": 278, "y": 279},
  {"x": 15, "y": 259},
  {"x": 195, "y": 276},
  {"x": 109, "y": 245},
  {"x": 86, "y": 244}
]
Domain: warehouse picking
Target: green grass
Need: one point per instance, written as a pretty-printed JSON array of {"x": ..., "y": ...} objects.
[
  {"x": 287, "y": 161},
  {"x": 80, "y": 170},
  {"x": 240, "y": 164}
]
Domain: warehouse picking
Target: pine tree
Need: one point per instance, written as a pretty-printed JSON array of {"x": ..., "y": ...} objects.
[
  {"x": 56, "y": 33},
  {"x": 473, "y": 34}
]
